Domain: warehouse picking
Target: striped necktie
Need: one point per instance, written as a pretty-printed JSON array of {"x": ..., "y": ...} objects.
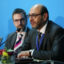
[{"x": 18, "y": 42}]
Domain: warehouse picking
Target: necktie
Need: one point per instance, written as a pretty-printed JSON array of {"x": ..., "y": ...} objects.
[
  {"x": 39, "y": 36},
  {"x": 18, "y": 42},
  {"x": 39, "y": 40}
]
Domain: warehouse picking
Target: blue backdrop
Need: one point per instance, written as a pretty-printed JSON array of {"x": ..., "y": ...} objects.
[{"x": 55, "y": 7}]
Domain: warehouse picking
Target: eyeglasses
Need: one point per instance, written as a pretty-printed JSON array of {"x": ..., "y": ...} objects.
[
  {"x": 16, "y": 20},
  {"x": 34, "y": 15}
]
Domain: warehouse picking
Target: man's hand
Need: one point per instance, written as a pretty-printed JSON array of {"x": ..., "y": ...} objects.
[{"x": 23, "y": 54}]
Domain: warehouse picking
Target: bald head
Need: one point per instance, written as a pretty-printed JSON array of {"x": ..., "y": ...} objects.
[
  {"x": 40, "y": 8},
  {"x": 38, "y": 15},
  {"x": 37, "y": 6}
]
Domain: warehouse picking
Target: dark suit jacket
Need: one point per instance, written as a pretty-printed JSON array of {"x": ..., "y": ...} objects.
[
  {"x": 52, "y": 46},
  {"x": 11, "y": 39}
]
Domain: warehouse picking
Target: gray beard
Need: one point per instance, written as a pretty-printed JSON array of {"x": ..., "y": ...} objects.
[{"x": 40, "y": 25}]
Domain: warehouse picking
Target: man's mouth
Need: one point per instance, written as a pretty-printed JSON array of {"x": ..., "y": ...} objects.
[{"x": 32, "y": 23}]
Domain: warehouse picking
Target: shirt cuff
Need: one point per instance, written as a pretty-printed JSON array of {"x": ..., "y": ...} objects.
[{"x": 32, "y": 50}]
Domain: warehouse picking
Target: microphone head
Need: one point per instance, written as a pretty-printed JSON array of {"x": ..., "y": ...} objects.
[
  {"x": 18, "y": 29},
  {"x": 21, "y": 29}
]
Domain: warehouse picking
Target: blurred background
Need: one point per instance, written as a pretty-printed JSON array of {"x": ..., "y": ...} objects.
[{"x": 55, "y": 8}]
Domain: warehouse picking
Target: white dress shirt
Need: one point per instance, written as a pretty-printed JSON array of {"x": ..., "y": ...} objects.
[{"x": 43, "y": 29}]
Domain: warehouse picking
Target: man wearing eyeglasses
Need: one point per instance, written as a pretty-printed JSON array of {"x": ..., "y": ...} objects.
[
  {"x": 16, "y": 39},
  {"x": 51, "y": 43}
]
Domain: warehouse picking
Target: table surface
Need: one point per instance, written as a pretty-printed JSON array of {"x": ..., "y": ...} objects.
[{"x": 34, "y": 61}]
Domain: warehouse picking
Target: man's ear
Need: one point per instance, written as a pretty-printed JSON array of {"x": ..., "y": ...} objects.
[{"x": 45, "y": 15}]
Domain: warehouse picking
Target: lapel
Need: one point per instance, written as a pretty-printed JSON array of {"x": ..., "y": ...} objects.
[
  {"x": 46, "y": 40},
  {"x": 13, "y": 40},
  {"x": 27, "y": 33},
  {"x": 33, "y": 39}
]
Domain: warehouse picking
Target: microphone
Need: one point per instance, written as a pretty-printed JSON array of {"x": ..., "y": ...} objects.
[
  {"x": 18, "y": 29},
  {"x": 21, "y": 29}
]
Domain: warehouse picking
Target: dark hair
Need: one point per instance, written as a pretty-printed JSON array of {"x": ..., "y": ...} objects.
[
  {"x": 18, "y": 10},
  {"x": 44, "y": 10}
]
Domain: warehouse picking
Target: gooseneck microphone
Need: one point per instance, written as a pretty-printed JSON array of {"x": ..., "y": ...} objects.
[{"x": 18, "y": 29}]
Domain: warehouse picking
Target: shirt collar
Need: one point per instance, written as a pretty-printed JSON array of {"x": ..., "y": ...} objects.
[
  {"x": 43, "y": 29},
  {"x": 18, "y": 34}
]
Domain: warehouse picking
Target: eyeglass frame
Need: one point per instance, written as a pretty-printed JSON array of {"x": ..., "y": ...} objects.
[
  {"x": 34, "y": 15},
  {"x": 22, "y": 19}
]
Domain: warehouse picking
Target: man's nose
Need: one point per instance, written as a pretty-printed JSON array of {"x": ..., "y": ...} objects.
[
  {"x": 19, "y": 21},
  {"x": 31, "y": 18}
]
